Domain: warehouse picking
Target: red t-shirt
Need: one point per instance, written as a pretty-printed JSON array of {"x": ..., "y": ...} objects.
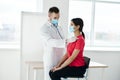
[{"x": 79, "y": 45}]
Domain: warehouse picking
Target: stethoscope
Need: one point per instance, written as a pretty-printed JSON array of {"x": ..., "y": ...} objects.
[{"x": 58, "y": 31}]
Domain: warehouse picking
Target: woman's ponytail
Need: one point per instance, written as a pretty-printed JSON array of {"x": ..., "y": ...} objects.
[{"x": 83, "y": 34}]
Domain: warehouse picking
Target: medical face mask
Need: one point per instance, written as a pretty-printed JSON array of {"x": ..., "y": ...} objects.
[
  {"x": 54, "y": 22},
  {"x": 71, "y": 37},
  {"x": 71, "y": 29},
  {"x": 71, "y": 32}
]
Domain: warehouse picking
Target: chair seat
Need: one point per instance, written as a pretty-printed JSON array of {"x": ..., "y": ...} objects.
[
  {"x": 80, "y": 76},
  {"x": 76, "y": 76},
  {"x": 87, "y": 61}
]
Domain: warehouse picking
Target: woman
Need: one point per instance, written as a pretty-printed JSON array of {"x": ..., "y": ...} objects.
[{"x": 72, "y": 64}]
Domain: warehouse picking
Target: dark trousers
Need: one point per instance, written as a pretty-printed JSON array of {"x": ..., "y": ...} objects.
[{"x": 67, "y": 72}]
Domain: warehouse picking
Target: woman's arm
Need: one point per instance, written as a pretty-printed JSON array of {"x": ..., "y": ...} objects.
[
  {"x": 70, "y": 59},
  {"x": 62, "y": 60},
  {"x": 79, "y": 46}
]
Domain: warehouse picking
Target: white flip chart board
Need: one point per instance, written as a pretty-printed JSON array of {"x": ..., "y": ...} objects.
[
  {"x": 31, "y": 40},
  {"x": 31, "y": 43}
]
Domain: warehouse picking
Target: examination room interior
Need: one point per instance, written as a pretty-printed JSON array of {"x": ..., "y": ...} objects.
[{"x": 18, "y": 25}]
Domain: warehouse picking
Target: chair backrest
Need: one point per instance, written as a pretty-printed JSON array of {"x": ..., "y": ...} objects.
[{"x": 87, "y": 61}]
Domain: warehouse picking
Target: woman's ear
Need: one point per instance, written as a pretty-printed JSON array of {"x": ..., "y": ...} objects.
[{"x": 78, "y": 26}]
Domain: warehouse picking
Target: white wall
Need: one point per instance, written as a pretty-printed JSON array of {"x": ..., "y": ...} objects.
[{"x": 9, "y": 64}]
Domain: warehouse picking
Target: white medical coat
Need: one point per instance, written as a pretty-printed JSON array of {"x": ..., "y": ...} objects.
[{"x": 53, "y": 44}]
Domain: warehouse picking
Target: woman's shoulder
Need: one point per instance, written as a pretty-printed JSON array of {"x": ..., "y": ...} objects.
[{"x": 80, "y": 37}]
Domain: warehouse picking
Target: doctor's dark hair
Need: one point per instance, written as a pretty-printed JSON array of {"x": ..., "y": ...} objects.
[
  {"x": 53, "y": 9},
  {"x": 79, "y": 21}
]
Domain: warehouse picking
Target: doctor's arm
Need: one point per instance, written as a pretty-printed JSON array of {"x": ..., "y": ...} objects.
[{"x": 59, "y": 43}]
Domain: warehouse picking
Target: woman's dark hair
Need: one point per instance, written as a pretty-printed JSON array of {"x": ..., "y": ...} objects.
[
  {"x": 53, "y": 9},
  {"x": 79, "y": 21}
]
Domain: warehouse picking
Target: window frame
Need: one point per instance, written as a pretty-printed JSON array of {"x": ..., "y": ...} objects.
[
  {"x": 92, "y": 45},
  {"x": 15, "y": 44}
]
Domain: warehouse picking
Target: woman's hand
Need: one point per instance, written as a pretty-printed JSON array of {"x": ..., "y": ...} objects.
[{"x": 55, "y": 69}]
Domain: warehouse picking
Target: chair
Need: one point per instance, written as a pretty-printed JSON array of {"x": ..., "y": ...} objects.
[{"x": 84, "y": 76}]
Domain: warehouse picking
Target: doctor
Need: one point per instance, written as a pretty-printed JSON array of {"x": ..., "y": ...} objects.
[{"x": 54, "y": 41}]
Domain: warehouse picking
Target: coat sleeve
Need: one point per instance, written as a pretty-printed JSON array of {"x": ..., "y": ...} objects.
[{"x": 47, "y": 38}]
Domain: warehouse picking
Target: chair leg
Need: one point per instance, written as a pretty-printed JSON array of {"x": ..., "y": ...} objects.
[
  {"x": 86, "y": 77},
  {"x": 64, "y": 79},
  {"x": 82, "y": 78}
]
